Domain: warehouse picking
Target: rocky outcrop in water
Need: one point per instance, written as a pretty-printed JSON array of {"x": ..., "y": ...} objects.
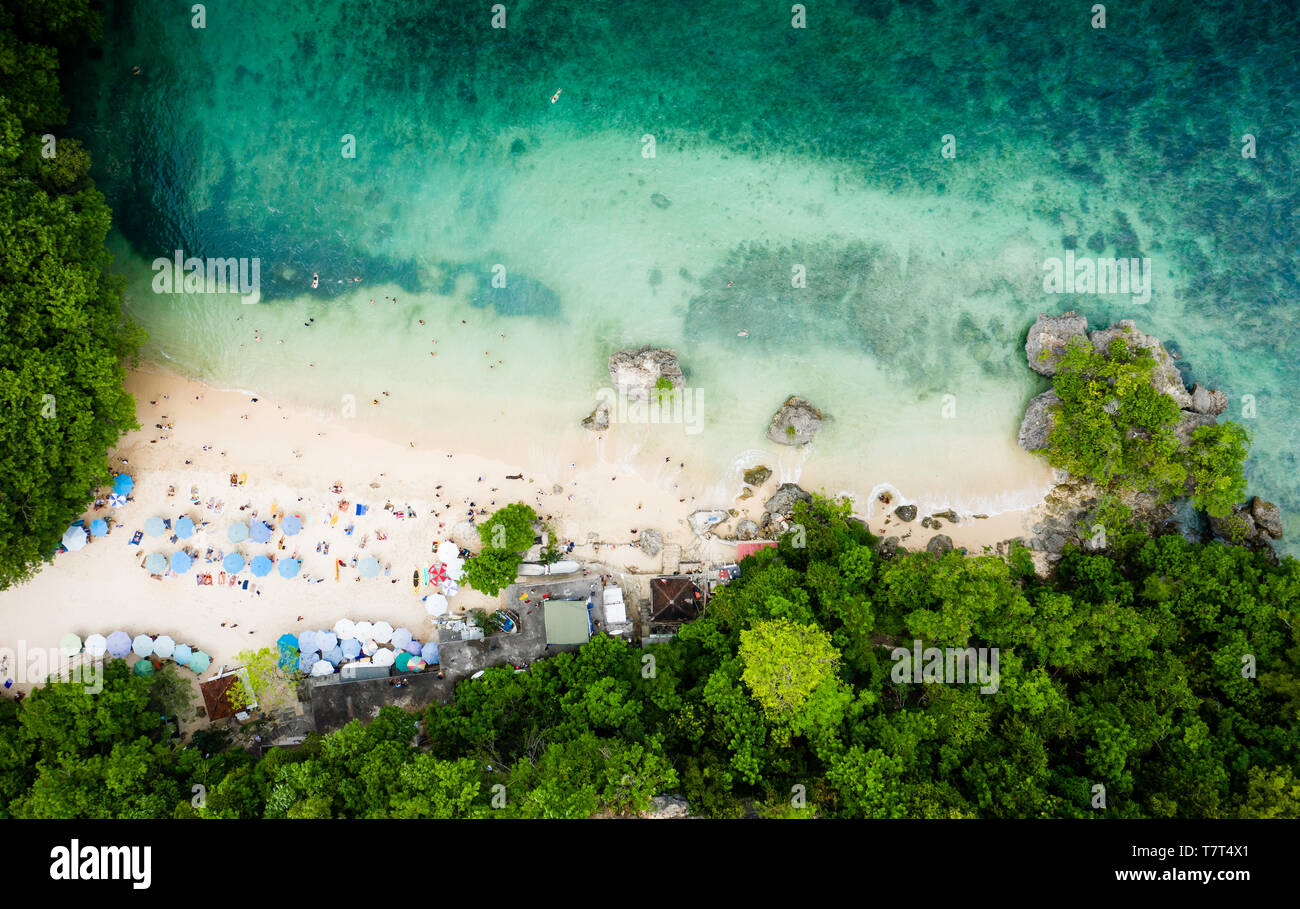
[
  {"x": 906, "y": 513},
  {"x": 706, "y": 519},
  {"x": 1037, "y": 424},
  {"x": 1208, "y": 401},
  {"x": 1165, "y": 376},
  {"x": 1049, "y": 337},
  {"x": 598, "y": 419},
  {"x": 638, "y": 371},
  {"x": 757, "y": 476},
  {"x": 796, "y": 422}
]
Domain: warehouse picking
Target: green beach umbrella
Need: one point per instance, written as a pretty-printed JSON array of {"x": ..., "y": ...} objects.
[
  {"x": 143, "y": 668},
  {"x": 70, "y": 644},
  {"x": 403, "y": 659},
  {"x": 200, "y": 661}
]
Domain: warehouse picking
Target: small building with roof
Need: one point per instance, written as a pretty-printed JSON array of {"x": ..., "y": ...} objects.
[{"x": 567, "y": 622}]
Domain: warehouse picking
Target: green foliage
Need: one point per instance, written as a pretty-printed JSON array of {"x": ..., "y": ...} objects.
[
  {"x": 509, "y": 529},
  {"x": 492, "y": 570},
  {"x": 65, "y": 340},
  {"x": 1214, "y": 461}
]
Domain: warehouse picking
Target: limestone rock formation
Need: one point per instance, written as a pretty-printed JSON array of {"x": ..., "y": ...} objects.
[
  {"x": 636, "y": 372},
  {"x": 796, "y": 422},
  {"x": 1037, "y": 424},
  {"x": 782, "y": 501},
  {"x": 1048, "y": 338}
]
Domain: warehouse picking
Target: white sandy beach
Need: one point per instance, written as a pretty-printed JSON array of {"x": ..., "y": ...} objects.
[{"x": 291, "y": 459}]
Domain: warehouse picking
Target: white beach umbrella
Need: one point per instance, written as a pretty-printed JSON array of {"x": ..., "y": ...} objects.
[
  {"x": 164, "y": 647},
  {"x": 401, "y": 637},
  {"x": 447, "y": 550},
  {"x": 436, "y": 604},
  {"x": 74, "y": 538},
  {"x": 384, "y": 657},
  {"x": 455, "y": 569},
  {"x": 96, "y": 645},
  {"x": 345, "y": 628},
  {"x": 142, "y": 646},
  {"x": 322, "y": 667},
  {"x": 368, "y": 646},
  {"x": 383, "y": 633},
  {"x": 363, "y": 631}
]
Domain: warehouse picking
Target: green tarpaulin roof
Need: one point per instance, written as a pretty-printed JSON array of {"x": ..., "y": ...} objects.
[{"x": 566, "y": 622}]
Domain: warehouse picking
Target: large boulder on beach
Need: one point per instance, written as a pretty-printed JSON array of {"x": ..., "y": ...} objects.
[
  {"x": 637, "y": 372},
  {"x": 906, "y": 513},
  {"x": 1037, "y": 424},
  {"x": 598, "y": 419},
  {"x": 939, "y": 544},
  {"x": 1165, "y": 376},
  {"x": 782, "y": 501},
  {"x": 746, "y": 529},
  {"x": 705, "y": 519},
  {"x": 757, "y": 476},
  {"x": 796, "y": 422},
  {"x": 651, "y": 542},
  {"x": 1208, "y": 400},
  {"x": 1048, "y": 338}
]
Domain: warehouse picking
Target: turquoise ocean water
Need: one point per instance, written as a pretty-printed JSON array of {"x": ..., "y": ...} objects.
[{"x": 773, "y": 147}]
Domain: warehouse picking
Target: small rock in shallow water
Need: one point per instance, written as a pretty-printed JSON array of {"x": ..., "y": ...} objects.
[
  {"x": 660, "y": 200},
  {"x": 906, "y": 513}
]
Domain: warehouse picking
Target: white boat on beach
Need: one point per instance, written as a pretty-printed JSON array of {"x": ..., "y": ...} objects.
[{"x": 534, "y": 569}]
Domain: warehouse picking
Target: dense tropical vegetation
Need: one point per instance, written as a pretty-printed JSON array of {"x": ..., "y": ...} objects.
[
  {"x": 1115, "y": 428},
  {"x": 1155, "y": 679},
  {"x": 64, "y": 339}
]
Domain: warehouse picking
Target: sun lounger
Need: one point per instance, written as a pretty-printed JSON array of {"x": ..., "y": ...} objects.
[
  {"x": 136, "y": 538},
  {"x": 234, "y": 479}
]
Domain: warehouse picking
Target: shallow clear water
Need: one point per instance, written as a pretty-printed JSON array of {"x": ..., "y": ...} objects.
[{"x": 773, "y": 147}]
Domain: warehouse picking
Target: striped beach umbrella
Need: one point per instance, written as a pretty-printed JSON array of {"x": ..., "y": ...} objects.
[
  {"x": 415, "y": 664},
  {"x": 116, "y": 501}
]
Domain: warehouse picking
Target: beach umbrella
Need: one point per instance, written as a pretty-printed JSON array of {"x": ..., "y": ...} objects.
[
  {"x": 200, "y": 661},
  {"x": 447, "y": 550},
  {"x": 351, "y": 648},
  {"x": 142, "y": 646},
  {"x": 401, "y": 637},
  {"x": 435, "y": 604},
  {"x": 291, "y": 525},
  {"x": 384, "y": 658},
  {"x": 123, "y": 484},
  {"x": 368, "y": 647},
  {"x": 182, "y": 654},
  {"x": 288, "y": 567},
  {"x": 99, "y": 528},
  {"x": 307, "y": 642},
  {"x": 402, "y": 659},
  {"x": 287, "y": 640},
  {"x": 260, "y": 532},
  {"x": 411, "y": 647},
  {"x": 369, "y": 567},
  {"x": 415, "y": 664},
  {"x": 163, "y": 646},
  {"x": 345, "y": 628},
  {"x": 437, "y": 573},
  {"x": 143, "y": 668},
  {"x": 74, "y": 538},
  {"x": 322, "y": 667},
  {"x": 333, "y": 655},
  {"x": 307, "y": 660},
  {"x": 429, "y": 652},
  {"x": 116, "y": 501},
  {"x": 383, "y": 632},
  {"x": 184, "y": 528},
  {"x": 119, "y": 644},
  {"x": 154, "y": 527},
  {"x": 325, "y": 640},
  {"x": 288, "y": 646},
  {"x": 155, "y": 563},
  {"x": 96, "y": 645},
  {"x": 450, "y": 588},
  {"x": 233, "y": 562},
  {"x": 363, "y": 631},
  {"x": 260, "y": 566},
  {"x": 181, "y": 562},
  {"x": 70, "y": 644},
  {"x": 237, "y": 532},
  {"x": 455, "y": 569}
]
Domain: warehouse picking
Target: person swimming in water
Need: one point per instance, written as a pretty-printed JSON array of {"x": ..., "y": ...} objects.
[
  {"x": 315, "y": 280},
  {"x": 556, "y": 97}
]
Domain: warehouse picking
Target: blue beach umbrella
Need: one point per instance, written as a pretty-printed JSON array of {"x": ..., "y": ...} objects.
[
  {"x": 260, "y": 566},
  {"x": 288, "y": 567},
  {"x": 181, "y": 653},
  {"x": 307, "y": 642},
  {"x": 74, "y": 538},
  {"x": 123, "y": 484},
  {"x": 260, "y": 532},
  {"x": 429, "y": 652},
  {"x": 119, "y": 644},
  {"x": 237, "y": 532},
  {"x": 308, "y": 660},
  {"x": 402, "y": 637},
  {"x": 154, "y": 527},
  {"x": 325, "y": 640},
  {"x": 200, "y": 661},
  {"x": 98, "y": 527},
  {"x": 184, "y": 528},
  {"x": 351, "y": 648},
  {"x": 288, "y": 647},
  {"x": 369, "y": 567},
  {"x": 333, "y": 656},
  {"x": 412, "y": 647},
  {"x": 155, "y": 563},
  {"x": 181, "y": 562},
  {"x": 291, "y": 525},
  {"x": 233, "y": 562},
  {"x": 142, "y": 646}
]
